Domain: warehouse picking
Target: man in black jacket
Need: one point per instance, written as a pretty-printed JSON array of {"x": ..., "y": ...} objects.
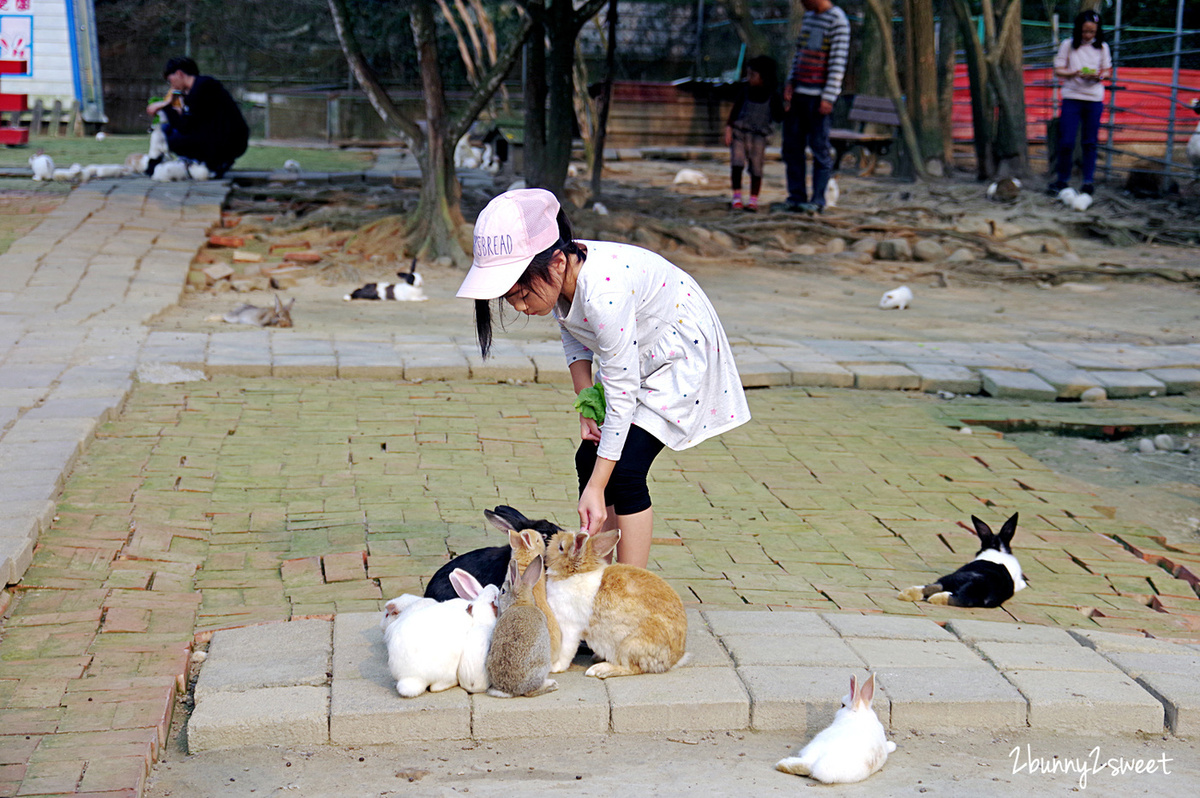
[{"x": 204, "y": 122}]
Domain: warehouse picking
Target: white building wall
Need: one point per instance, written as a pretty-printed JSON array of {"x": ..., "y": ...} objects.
[{"x": 53, "y": 67}]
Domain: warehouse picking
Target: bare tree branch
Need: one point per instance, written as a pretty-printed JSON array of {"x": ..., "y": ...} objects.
[{"x": 376, "y": 94}]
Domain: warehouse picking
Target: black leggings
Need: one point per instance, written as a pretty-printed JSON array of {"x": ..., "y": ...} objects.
[{"x": 626, "y": 492}]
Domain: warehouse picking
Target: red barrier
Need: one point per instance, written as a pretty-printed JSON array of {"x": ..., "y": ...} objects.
[{"x": 1143, "y": 104}]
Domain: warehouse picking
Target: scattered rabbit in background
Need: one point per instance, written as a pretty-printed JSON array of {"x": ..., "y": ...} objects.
[
  {"x": 42, "y": 166},
  {"x": 278, "y": 316},
  {"x": 987, "y": 581}
]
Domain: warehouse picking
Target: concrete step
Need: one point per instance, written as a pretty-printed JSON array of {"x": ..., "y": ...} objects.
[{"x": 313, "y": 682}]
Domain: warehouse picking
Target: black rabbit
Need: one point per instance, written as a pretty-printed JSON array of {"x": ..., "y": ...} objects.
[
  {"x": 488, "y": 565},
  {"x": 989, "y": 580}
]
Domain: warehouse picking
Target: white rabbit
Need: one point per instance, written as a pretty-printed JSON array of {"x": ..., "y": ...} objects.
[
  {"x": 1082, "y": 202},
  {"x": 691, "y": 177},
  {"x": 291, "y": 165},
  {"x": 897, "y": 298},
  {"x": 158, "y": 142},
  {"x": 397, "y": 606},
  {"x": 425, "y": 643},
  {"x": 472, "y": 665},
  {"x": 104, "y": 171},
  {"x": 465, "y": 156},
  {"x": 68, "y": 175},
  {"x": 1067, "y": 196},
  {"x": 848, "y": 750},
  {"x": 832, "y": 193},
  {"x": 198, "y": 171},
  {"x": 136, "y": 163},
  {"x": 169, "y": 171},
  {"x": 42, "y": 165}
]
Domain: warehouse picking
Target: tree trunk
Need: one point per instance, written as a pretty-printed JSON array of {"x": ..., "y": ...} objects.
[
  {"x": 947, "y": 39},
  {"x": 981, "y": 105},
  {"x": 550, "y": 117},
  {"x": 432, "y": 231},
  {"x": 610, "y": 62},
  {"x": 908, "y": 131},
  {"x": 1008, "y": 70},
  {"x": 924, "y": 97}
]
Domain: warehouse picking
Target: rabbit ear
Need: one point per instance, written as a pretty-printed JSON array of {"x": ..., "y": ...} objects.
[
  {"x": 605, "y": 542},
  {"x": 498, "y": 521},
  {"x": 533, "y": 572},
  {"x": 1009, "y": 529},
  {"x": 515, "y": 540},
  {"x": 853, "y": 689},
  {"x": 581, "y": 539},
  {"x": 981, "y": 529},
  {"x": 867, "y": 693},
  {"x": 465, "y": 585}
]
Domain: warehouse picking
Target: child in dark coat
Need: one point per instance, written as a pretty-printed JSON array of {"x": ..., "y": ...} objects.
[{"x": 755, "y": 110}]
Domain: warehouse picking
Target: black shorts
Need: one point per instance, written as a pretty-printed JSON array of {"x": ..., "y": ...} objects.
[{"x": 626, "y": 492}]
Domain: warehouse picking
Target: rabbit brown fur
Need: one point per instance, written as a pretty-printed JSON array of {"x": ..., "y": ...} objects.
[
  {"x": 528, "y": 545},
  {"x": 279, "y": 316},
  {"x": 518, "y": 662},
  {"x": 633, "y": 620}
]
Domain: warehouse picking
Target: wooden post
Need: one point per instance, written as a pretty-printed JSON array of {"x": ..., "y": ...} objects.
[
  {"x": 75, "y": 124},
  {"x": 35, "y": 121},
  {"x": 56, "y": 118}
]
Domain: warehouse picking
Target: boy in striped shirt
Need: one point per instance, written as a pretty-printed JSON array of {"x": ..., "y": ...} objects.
[{"x": 822, "y": 50}]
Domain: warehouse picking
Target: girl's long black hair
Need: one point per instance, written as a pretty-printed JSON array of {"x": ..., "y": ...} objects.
[
  {"x": 1077, "y": 33},
  {"x": 538, "y": 269}
]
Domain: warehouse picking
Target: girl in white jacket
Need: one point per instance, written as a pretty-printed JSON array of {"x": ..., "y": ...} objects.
[{"x": 661, "y": 354}]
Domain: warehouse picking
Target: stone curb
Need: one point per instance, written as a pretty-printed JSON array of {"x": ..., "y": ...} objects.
[{"x": 748, "y": 670}]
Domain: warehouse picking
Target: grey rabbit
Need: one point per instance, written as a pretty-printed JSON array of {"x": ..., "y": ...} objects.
[
  {"x": 518, "y": 662},
  {"x": 279, "y": 316}
]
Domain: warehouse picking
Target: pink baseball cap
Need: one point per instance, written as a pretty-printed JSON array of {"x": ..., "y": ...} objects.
[{"x": 510, "y": 231}]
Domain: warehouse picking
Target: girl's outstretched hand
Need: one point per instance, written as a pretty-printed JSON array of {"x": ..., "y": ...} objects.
[
  {"x": 592, "y": 512},
  {"x": 588, "y": 430}
]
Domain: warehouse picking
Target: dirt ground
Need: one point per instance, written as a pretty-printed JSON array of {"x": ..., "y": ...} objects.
[{"x": 734, "y": 764}]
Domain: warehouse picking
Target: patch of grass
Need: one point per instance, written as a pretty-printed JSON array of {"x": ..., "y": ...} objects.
[
  {"x": 23, "y": 203},
  {"x": 66, "y": 150}
]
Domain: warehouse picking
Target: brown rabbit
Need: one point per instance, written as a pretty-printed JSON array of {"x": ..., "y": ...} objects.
[
  {"x": 528, "y": 545},
  {"x": 632, "y": 619},
  {"x": 279, "y": 316},
  {"x": 518, "y": 661}
]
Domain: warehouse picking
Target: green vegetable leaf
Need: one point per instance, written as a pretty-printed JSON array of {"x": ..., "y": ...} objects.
[{"x": 590, "y": 403}]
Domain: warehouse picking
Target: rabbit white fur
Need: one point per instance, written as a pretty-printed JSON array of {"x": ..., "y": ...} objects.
[
  {"x": 833, "y": 193},
  {"x": 103, "y": 171},
  {"x": 1082, "y": 202},
  {"x": 397, "y": 606},
  {"x": 472, "y": 664},
  {"x": 897, "y": 298},
  {"x": 691, "y": 177},
  {"x": 198, "y": 171},
  {"x": 425, "y": 642},
  {"x": 68, "y": 175},
  {"x": 42, "y": 166},
  {"x": 169, "y": 171},
  {"x": 848, "y": 750},
  {"x": 158, "y": 142}
]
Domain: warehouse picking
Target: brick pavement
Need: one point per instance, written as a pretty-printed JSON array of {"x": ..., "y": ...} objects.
[{"x": 204, "y": 506}]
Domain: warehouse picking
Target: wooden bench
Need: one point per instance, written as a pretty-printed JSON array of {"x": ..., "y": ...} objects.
[{"x": 866, "y": 110}]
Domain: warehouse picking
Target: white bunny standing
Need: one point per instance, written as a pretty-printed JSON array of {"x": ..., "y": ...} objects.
[
  {"x": 848, "y": 750},
  {"x": 832, "y": 193},
  {"x": 897, "y": 298},
  {"x": 42, "y": 166},
  {"x": 158, "y": 143},
  {"x": 425, "y": 642}
]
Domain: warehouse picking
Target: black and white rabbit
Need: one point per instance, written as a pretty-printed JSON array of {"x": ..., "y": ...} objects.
[
  {"x": 407, "y": 290},
  {"x": 488, "y": 565},
  {"x": 989, "y": 580}
]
